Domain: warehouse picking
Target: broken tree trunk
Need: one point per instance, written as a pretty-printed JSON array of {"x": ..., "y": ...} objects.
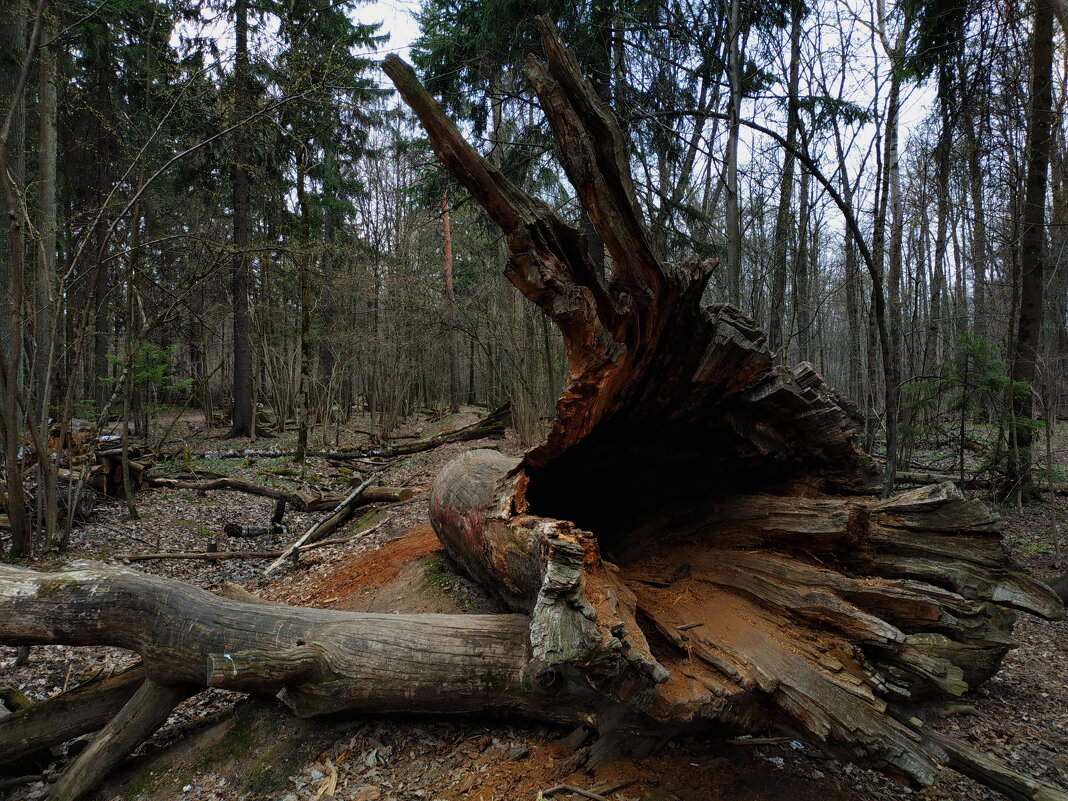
[{"x": 745, "y": 573}]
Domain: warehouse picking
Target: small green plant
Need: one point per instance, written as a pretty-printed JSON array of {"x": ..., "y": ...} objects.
[
  {"x": 974, "y": 382},
  {"x": 149, "y": 379}
]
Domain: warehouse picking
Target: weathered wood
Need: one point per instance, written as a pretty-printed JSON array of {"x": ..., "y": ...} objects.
[
  {"x": 299, "y": 500},
  {"x": 65, "y": 716},
  {"x": 370, "y": 662},
  {"x": 489, "y": 427},
  {"x": 247, "y": 532},
  {"x": 302, "y": 501},
  {"x": 145, "y": 712},
  {"x": 993, "y": 773},
  {"x": 216, "y": 556},
  {"x": 819, "y": 606}
]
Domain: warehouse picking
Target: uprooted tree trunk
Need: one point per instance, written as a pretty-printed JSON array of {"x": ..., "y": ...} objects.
[{"x": 694, "y": 544}]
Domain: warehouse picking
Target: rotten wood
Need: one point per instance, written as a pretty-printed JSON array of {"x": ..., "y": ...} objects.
[
  {"x": 753, "y": 512},
  {"x": 993, "y": 773}
]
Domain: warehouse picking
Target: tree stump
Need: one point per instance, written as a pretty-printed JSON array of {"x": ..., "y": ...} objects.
[{"x": 697, "y": 538}]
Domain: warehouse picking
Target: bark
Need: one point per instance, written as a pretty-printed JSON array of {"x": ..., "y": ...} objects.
[
  {"x": 734, "y": 215},
  {"x": 242, "y": 424},
  {"x": 776, "y": 339},
  {"x": 338, "y": 515},
  {"x": 1019, "y": 481},
  {"x": 744, "y": 576},
  {"x": 68, "y": 715},
  {"x": 302, "y": 501},
  {"x": 305, "y": 257},
  {"x": 317, "y": 660},
  {"x": 452, "y": 320},
  {"x": 12, "y": 268},
  {"x": 145, "y": 712}
]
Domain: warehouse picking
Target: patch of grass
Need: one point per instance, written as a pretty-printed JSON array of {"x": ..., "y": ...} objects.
[
  {"x": 224, "y": 467},
  {"x": 146, "y": 784},
  {"x": 194, "y": 527},
  {"x": 436, "y": 573}
]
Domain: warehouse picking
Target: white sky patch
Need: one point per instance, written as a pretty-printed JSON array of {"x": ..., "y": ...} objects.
[{"x": 398, "y": 20}]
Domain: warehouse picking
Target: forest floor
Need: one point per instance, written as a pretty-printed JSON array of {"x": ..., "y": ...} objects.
[{"x": 221, "y": 745}]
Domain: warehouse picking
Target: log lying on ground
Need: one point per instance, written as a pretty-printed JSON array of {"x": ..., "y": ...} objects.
[
  {"x": 740, "y": 575},
  {"x": 302, "y": 501},
  {"x": 319, "y": 660},
  {"x": 488, "y": 427},
  {"x": 63, "y": 717},
  {"x": 145, "y": 712},
  {"x": 696, "y": 535},
  {"x": 341, "y": 513}
]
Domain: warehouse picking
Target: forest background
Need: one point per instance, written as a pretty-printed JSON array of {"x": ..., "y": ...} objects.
[{"x": 223, "y": 206}]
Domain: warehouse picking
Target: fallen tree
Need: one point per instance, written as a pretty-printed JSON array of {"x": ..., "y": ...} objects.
[
  {"x": 695, "y": 544},
  {"x": 300, "y": 500},
  {"x": 490, "y": 426}
]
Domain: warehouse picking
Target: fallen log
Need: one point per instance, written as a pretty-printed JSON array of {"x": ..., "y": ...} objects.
[
  {"x": 302, "y": 501},
  {"x": 219, "y": 556},
  {"x": 63, "y": 717},
  {"x": 318, "y": 660},
  {"x": 746, "y": 574},
  {"x": 145, "y": 712},
  {"x": 251, "y": 531},
  {"x": 489, "y": 427}
]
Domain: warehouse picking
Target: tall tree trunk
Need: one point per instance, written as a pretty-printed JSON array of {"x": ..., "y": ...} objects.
[
  {"x": 45, "y": 332},
  {"x": 243, "y": 422},
  {"x": 452, "y": 317},
  {"x": 734, "y": 215},
  {"x": 802, "y": 282},
  {"x": 304, "y": 257},
  {"x": 1020, "y": 483},
  {"x": 781, "y": 238},
  {"x": 12, "y": 268}
]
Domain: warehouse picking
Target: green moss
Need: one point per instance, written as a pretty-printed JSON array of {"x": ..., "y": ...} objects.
[
  {"x": 195, "y": 528},
  {"x": 436, "y": 573},
  {"x": 55, "y": 586},
  {"x": 146, "y": 784},
  {"x": 272, "y": 769},
  {"x": 367, "y": 520}
]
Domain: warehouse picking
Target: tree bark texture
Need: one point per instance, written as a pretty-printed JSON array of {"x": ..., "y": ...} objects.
[
  {"x": 242, "y": 424},
  {"x": 1032, "y": 252}
]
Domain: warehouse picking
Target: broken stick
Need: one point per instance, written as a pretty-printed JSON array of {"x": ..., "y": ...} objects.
[{"x": 341, "y": 513}]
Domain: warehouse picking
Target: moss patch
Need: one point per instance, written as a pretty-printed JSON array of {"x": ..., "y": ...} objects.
[{"x": 54, "y": 587}]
